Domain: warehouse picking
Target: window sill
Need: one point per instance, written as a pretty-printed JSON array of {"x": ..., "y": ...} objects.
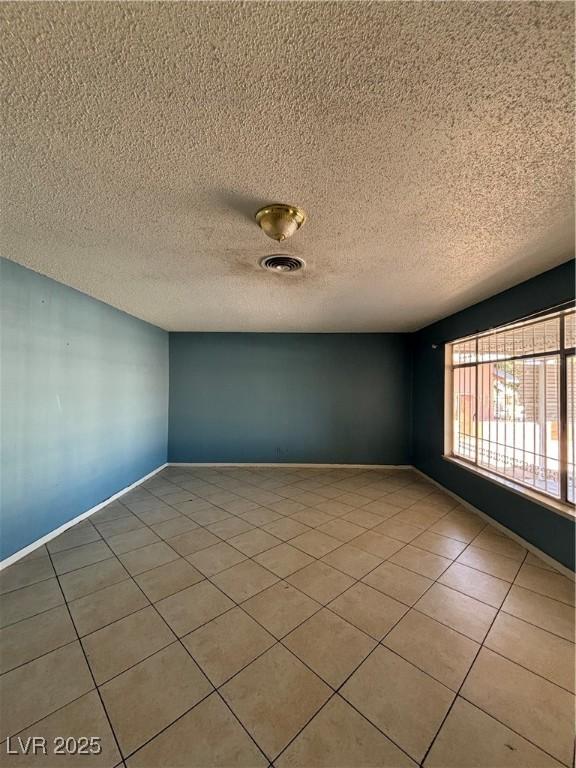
[{"x": 565, "y": 510}]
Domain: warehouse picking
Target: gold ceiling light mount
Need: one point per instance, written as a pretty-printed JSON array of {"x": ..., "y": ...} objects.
[{"x": 280, "y": 221}]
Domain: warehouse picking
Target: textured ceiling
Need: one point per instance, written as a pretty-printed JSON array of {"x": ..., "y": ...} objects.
[{"x": 430, "y": 144}]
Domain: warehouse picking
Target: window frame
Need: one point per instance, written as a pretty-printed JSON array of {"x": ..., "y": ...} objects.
[{"x": 558, "y": 503}]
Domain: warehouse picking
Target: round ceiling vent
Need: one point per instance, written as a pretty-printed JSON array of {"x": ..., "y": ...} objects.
[{"x": 282, "y": 263}]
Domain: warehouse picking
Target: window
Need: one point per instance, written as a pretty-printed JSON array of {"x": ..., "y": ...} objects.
[{"x": 511, "y": 393}]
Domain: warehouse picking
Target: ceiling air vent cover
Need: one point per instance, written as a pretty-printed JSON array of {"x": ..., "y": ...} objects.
[{"x": 282, "y": 263}]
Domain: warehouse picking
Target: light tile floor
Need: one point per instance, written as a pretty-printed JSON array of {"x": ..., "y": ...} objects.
[{"x": 288, "y": 617}]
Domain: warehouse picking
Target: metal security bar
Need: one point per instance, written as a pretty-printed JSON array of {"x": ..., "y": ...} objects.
[{"x": 513, "y": 403}]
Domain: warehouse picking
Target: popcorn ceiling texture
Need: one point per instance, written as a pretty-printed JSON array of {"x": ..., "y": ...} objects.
[{"x": 430, "y": 144}]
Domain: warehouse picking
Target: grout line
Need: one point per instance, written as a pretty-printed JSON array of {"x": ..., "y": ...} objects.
[
  {"x": 326, "y": 606},
  {"x": 481, "y": 645},
  {"x": 79, "y": 641}
]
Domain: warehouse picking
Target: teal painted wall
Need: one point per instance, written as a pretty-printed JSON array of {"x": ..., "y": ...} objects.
[
  {"x": 84, "y": 403},
  {"x": 290, "y": 397},
  {"x": 547, "y": 530},
  {"x": 85, "y": 391}
]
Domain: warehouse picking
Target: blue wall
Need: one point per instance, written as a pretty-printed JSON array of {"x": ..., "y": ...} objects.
[
  {"x": 276, "y": 397},
  {"x": 84, "y": 403},
  {"x": 545, "y": 529}
]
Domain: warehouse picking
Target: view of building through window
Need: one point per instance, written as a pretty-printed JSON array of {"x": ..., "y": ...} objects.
[{"x": 513, "y": 403}]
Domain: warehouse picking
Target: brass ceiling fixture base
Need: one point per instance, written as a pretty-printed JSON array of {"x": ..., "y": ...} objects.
[{"x": 279, "y": 221}]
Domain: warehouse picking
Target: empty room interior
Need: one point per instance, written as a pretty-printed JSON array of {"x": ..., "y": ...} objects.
[{"x": 288, "y": 384}]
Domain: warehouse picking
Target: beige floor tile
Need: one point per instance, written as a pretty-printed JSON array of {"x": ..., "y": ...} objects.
[
  {"x": 315, "y": 543},
  {"x": 418, "y": 490},
  {"x": 23, "y": 574},
  {"x": 35, "y": 636},
  {"x": 493, "y": 541},
  {"x": 470, "y": 738},
  {"x": 405, "y": 703},
  {"x": 120, "y": 645},
  {"x": 168, "y": 579},
  {"x": 193, "y": 541},
  {"x": 209, "y": 515},
  {"x": 35, "y": 554},
  {"x": 377, "y": 544},
  {"x": 161, "y": 514},
  {"x": 526, "y": 703},
  {"x": 397, "y": 530},
  {"x": 546, "y": 583},
  {"x": 464, "y": 531},
  {"x": 311, "y": 518},
  {"x": 283, "y": 560},
  {"x": 287, "y": 507},
  {"x": 28, "y": 601},
  {"x": 547, "y": 655},
  {"x": 439, "y": 545},
  {"x": 286, "y": 528},
  {"x": 113, "y": 511},
  {"x": 461, "y": 612},
  {"x": 532, "y": 559},
  {"x": 195, "y": 505},
  {"x": 105, "y": 606},
  {"x": 79, "y": 557},
  {"x": 420, "y": 515},
  {"x": 548, "y": 614},
  {"x": 274, "y": 713},
  {"x": 438, "y": 650},
  {"x": 125, "y": 542},
  {"x": 420, "y": 561},
  {"x": 260, "y": 516},
  {"x": 74, "y": 537},
  {"x": 351, "y": 560},
  {"x": 398, "y": 582},
  {"x": 92, "y": 578},
  {"x": 443, "y": 501},
  {"x": 330, "y": 646},
  {"x": 111, "y": 528},
  {"x": 309, "y": 499},
  {"x": 151, "y": 695},
  {"x": 82, "y": 717},
  {"x": 334, "y": 507},
  {"x": 490, "y": 562},
  {"x": 244, "y": 580},
  {"x": 363, "y": 518},
  {"x": 352, "y": 499},
  {"x": 280, "y": 608},
  {"x": 239, "y": 506},
  {"x": 233, "y": 526},
  {"x": 384, "y": 508},
  {"x": 254, "y": 542},
  {"x": 339, "y": 737},
  {"x": 227, "y": 644},
  {"x": 35, "y": 690},
  {"x": 144, "y": 559},
  {"x": 321, "y": 582},
  {"x": 212, "y": 560},
  {"x": 209, "y": 736},
  {"x": 476, "y": 584},
  {"x": 177, "y": 525},
  {"x": 374, "y": 491},
  {"x": 399, "y": 499},
  {"x": 192, "y": 607},
  {"x": 343, "y": 530},
  {"x": 368, "y": 609}
]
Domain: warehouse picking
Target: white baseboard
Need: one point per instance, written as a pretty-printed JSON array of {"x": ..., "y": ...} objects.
[
  {"x": 52, "y": 535},
  {"x": 282, "y": 464},
  {"x": 526, "y": 544}
]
